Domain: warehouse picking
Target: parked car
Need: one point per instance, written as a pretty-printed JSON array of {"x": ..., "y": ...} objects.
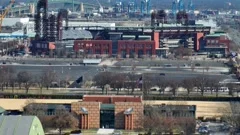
[
  {"x": 162, "y": 74},
  {"x": 197, "y": 64},
  {"x": 155, "y": 88},
  {"x": 203, "y": 129},
  {"x": 167, "y": 65}
]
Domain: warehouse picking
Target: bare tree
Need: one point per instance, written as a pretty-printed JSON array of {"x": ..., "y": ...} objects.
[
  {"x": 231, "y": 88},
  {"x": 187, "y": 125},
  {"x": 233, "y": 117},
  {"x": 104, "y": 67},
  {"x": 147, "y": 83},
  {"x": 181, "y": 51},
  {"x": 48, "y": 76},
  {"x": 119, "y": 66},
  {"x": 3, "y": 78},
  {"x": 61, "y": 118},
  {"x": 207, "y": 68},
  {"x": 64, "y": 120},
  {"x": 153, "y": 121},
  {"x": 216, "y": 86},
  {"x": 200, "y": 83},
  {"x": 9, "y": 76},
  {"x": 188, "y": 84},
  {"x": 25, "y": 78},
  {"x": 159, "y": 120},
  {"x": 162, "y": 83},
  {"x": 102, "y": 79},
  {"x": 212, "y": 83},
  {"x": 174, "y": 85},
  {"x": 38, "y": 80},
  {"x": 131, "y": 82},
  {"x": 192, "y": 67},
  {"x": 11, "y": 80},
  {"x": 134, "y": 67},
  {"x": 118, "y": 81},
  {"x": 39, "y": 110},
  {"x": 33, "y": 108}
]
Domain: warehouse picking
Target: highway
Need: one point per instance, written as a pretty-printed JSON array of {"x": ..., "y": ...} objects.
[
  {"x": 161, "y": 62},
  {"x": 75, "y": 71}
]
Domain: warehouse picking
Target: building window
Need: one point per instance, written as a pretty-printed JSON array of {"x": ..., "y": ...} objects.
[
  {"x": 106, "y": 51},
  {"x": 212, "y": 41},
  {"x": 217, "y": 42},
  {"x": 131, "y": 46},
  {"x": 149, "y": 46},
  {"x": 50, "y": 112},
  {"x": 139, "y": 46},
  {"x": 123, "y": 47}
]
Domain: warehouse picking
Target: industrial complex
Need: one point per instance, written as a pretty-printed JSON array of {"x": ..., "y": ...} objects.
[
  {"x": 123, "y": 65},
  {"x": 52, "y": 33}
]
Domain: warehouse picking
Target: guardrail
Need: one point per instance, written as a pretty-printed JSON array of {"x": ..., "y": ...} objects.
[
  {"x": 39, "y": 96},
  {"x": 195, "y": 98}
]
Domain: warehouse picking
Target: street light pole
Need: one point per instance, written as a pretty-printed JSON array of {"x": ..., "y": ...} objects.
[{"x": 142, "y": 86}]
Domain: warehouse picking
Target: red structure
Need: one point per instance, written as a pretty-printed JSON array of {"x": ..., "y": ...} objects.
[
  {"x": 128, "y": 121},
  {"x": 199, "y": 36},
  {"x": 126, "y": 48},
  {"x": 129, "y": 48},
  {"x": 156, "y": 36},
  {"x": 111, "y": 99},
  {"x": 218, "y": 41},
  {"x": 118, "y": 112},
  {"x": 102, "y": 47}
]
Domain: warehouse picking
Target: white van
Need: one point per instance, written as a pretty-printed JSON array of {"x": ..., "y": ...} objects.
[{"x": 224, "y": 89}]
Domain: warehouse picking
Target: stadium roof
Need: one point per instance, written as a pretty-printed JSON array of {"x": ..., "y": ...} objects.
[{"x": 77, "y": 34}]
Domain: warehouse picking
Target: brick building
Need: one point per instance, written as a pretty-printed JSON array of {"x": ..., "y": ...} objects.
[
  {"x": 217, "y": 44},
  {"x": 125, "y": 48},
  {"x": 136, "y": 48},
  {"x": 98, "y": 47},
  {"x": 119, "y": 112}
]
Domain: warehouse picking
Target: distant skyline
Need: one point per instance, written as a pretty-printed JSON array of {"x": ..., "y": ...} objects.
[{"x": 159, "y": 4}]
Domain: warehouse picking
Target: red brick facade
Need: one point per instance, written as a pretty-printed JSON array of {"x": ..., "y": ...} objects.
[
  {"x": 137, "y": 47},
  {"x": 102, "y": 47},
  {"x": 199, "y": 36},
  {"x": 91, "y": 119},
  {"x": 156, "y": 36},
  {"x": 218, "y": 42},
  {"x": 125, "y": 47},
  {"x": 111, "y": 99},
  {"x": 137, "y": 114}
]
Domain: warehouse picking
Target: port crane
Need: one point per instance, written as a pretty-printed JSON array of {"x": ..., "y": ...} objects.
[
  {"x": 5, "y": 12},
  {"x": 100, "y": 7}
]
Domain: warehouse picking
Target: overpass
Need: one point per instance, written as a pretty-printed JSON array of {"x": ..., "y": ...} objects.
[{"x": 75, "y": 5}]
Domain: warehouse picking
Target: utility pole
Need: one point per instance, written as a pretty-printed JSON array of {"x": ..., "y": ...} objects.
[
  {"x": 143, "y": 86},
  {"x": 72, "y": 5}
]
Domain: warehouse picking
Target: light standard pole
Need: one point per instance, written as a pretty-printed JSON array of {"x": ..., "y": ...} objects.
[
  {"x": 142, "y": 86},
  {"x": 59, "y": 81}
]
